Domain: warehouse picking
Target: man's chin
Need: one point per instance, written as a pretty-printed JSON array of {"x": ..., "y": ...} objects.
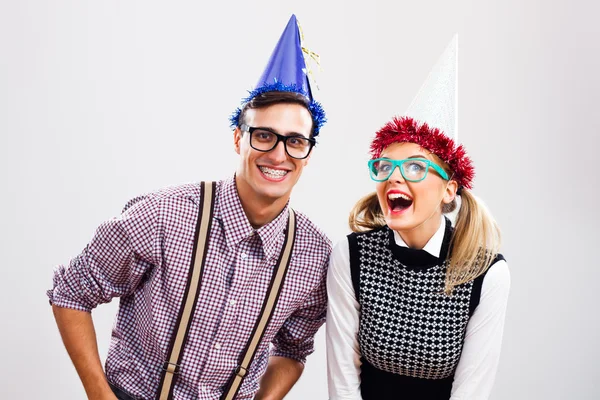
[
  {"x": 270, "y": 190},
  {"x": 273, "y": 195}
]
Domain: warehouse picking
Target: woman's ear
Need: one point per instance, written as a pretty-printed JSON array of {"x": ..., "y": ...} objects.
[{"x": 450, "y": 192}]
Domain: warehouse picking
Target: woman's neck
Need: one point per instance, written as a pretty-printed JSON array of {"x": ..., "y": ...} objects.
[{"x": 419, "y": 236}]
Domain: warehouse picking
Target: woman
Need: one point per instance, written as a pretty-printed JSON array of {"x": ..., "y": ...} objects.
[{"x": 416, "y": 307}]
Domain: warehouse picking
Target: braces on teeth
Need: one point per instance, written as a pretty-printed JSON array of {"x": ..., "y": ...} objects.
[{"x": 273, "y": 172}]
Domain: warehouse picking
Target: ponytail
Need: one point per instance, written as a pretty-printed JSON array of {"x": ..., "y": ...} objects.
[
  {"x": 366, "y": 214},
  {"x": 475, "y": 242}
]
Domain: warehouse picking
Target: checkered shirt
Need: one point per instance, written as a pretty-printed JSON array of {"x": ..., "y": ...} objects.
[{"x": 144, "y": 255}]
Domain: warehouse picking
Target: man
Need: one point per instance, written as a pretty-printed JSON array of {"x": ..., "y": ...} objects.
[{"x": 144, "y": 257}]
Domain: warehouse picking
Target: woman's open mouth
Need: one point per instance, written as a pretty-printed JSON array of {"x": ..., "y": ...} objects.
[{"x": 398, "y": 202}]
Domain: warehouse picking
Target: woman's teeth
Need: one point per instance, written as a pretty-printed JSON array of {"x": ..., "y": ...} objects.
[
  {"x": 273, "y": 173},
  {"x": 394, "y": 196},
  {"x": 399, "y": 201}
]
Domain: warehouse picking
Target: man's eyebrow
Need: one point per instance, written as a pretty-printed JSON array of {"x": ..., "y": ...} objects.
[{"x": 267, "y": 128}]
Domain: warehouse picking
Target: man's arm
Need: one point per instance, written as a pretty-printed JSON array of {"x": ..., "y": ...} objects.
[
  {"x": 292, "y": 344},
  {"x": 111, "y": 265},
  {"x": 79, "y": 336},
  {"x": 282, "y": 373}
]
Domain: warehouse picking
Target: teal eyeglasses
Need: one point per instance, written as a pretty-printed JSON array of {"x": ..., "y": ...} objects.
[{"x": 412, "y": 169}]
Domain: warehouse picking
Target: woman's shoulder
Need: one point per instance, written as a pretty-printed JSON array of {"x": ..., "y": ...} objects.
[
  {"x": 497, "y": 273},
  {"x": 369, "y": 232}
]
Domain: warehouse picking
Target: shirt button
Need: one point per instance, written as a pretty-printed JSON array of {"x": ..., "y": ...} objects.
[
  {"x": 244, "y": 256},
  {"x": 232, "y": 302},
  {"x": 218, "y": 346}
]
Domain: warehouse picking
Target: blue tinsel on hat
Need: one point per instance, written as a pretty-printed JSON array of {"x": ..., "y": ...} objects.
[{"x": 286, "y": 72}]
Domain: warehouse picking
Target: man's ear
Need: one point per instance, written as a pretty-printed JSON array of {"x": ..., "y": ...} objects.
[
  {"x": 237, "y": 139},
  {"x": 305, "y": 161},
  {"x": 450, "y": 193}
]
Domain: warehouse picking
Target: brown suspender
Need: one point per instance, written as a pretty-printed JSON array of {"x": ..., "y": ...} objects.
[{"x": 171, "y": 366}]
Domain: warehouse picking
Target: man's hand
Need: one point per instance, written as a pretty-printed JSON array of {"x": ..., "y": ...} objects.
[{"x": 282, "y": 373}]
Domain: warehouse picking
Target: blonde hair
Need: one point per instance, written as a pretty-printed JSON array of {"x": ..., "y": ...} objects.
[{"x": 475, "y": 241}]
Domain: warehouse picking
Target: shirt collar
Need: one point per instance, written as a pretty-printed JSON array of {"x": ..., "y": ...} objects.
[
  {"x": 272, "y": 232},
  {"x": 434, "y": 245},
  {"x": 236, "y": 225}
]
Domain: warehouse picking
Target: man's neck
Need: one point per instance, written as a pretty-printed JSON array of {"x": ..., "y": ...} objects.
[{"x": 259, "y": 210}]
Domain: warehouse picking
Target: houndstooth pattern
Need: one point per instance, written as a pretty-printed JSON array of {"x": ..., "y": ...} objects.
[
  {"x": 408, "y": 326},
  {"x": 143, "y": 256}
]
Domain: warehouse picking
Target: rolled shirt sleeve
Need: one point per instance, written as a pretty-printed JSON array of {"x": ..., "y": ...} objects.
[
  {"x": 296, "y": 337},
  {"x": 114, "y": 262}
]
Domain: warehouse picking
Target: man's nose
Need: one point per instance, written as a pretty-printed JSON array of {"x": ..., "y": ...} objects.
[{"x": 278, "y": 153}]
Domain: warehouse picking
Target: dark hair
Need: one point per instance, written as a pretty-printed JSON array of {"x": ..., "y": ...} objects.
[{"x": 267, "y": 99}]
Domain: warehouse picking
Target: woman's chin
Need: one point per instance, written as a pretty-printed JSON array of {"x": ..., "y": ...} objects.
[{"x": 400, "y": 222}]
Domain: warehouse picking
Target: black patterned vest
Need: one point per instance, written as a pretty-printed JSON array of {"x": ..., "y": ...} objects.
[{"x": 410, "y": 333}]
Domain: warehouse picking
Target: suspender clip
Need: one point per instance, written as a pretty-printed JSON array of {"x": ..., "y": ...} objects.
[
  {"x": 171, "y": 367},
  {"x": 241, "y": 371}
]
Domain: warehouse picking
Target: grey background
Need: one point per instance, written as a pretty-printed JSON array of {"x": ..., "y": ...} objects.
[{"x": 101, "y": 101}]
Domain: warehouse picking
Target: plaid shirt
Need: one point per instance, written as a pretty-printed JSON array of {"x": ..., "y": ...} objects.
[{"x": 144, "y": 255}]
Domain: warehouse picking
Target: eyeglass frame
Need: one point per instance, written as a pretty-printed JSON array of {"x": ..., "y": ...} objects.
[
  {"x": 280, "y": 138},
  {"x": 398, "y": 163}
]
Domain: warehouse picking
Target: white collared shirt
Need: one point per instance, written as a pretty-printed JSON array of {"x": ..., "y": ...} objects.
[
  {"x": 476, "y": 370},
  {"x": 434, "y": 245}
]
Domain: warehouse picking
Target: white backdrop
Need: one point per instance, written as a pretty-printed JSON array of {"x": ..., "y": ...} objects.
[{"x": 101, "y": 101}]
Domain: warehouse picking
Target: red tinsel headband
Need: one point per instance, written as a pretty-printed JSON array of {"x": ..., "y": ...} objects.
[{"x": 406, "y": 129}]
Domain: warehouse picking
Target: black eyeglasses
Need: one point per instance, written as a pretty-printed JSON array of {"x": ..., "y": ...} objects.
[{"x": 263, "y": 139}]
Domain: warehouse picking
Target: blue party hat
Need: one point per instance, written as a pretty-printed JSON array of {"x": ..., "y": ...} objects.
[{"x": 286, "y": 71}]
